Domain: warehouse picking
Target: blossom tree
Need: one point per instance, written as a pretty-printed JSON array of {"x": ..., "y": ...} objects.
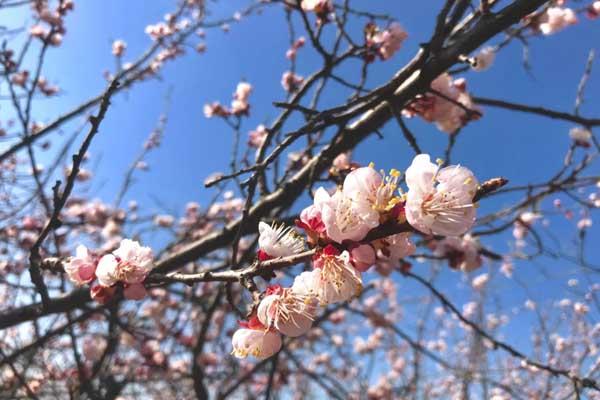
[{"x": 311, "y": 272}]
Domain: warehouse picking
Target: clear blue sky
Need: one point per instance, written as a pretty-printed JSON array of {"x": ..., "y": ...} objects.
[{"x": 520, "y": 147}]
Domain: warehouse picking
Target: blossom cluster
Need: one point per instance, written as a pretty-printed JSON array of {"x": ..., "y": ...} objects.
[
  {"x": 449, "y": 105},
  {"x": 484, "y": 59},
  {"x": 293, "y": 50},
  {"x": 291, "y": 82},
  {"x": 439, "y": 201},
  {"x": 239, "y": 105},
  {"x": 321, "y": 8},
  {"x": 555, "y": 19},
  {"x": 384, "y": 43},
  {"x": 50, "y": 26},
  {"x": 126, "y": 268},
  {"x": 593, "y": 10}
]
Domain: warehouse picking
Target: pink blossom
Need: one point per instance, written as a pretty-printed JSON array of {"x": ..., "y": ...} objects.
[
  {"x": 130, "y": 263},
  {"x": 44, "y": 87},
  {"x": 52, "y": 18},
  {"x": 317, "y": 6},
  {"x": 201, "y": 47},
  {"x": 347, "y": 218},
  {"x": 102, "y": 294},
  {"x": 31, "y": 223},
  {"x": 291, "y": 82},
  {"x": 584, "y": 223},
  {"x": 362, "y": 257},
  {"x": 462, "y": 253},
  {"x": 81, "y": 268},
  {"x": 311, "y": 221},
  {"x": 165, "y": 221},
  {"x": 159, "y": 31},
  {"x": 20, "y": 78},
  {"x": 333, "y": 279},
  {"x": 443, "y": 110},
  {"x": 118, "y": 48},
  {"x": 377, "y": 189},
  {"x": 523, "y": 223},
  {"x": 593, "y": 10},
  {"x": 555, "y": 19},
  {"x": 38, "y": 31},
  {"x": 215, "y": 109},
  {"x": 289, "y": 312},
  {"x": 239, "y": 107},
  {"x": 342, "y": 162},
  {"x": 134, "y": 291},
  {"x": 279, "y": 241},
  {"x": 390, "y": 40},
  {"x": 192, "y": 207},
  {"x": 363, "y": 183},
  {"x": 484, "y": 59},
  {"x": 395, "y": 247},
  {"x": 480, "y": 281},
  {"x": 581, "y": 136},
  {"x": 507, "y": 267},
  {"x": 93, "y": 347},
  {"x": 291, "y": 53},
  {"x": 256, "y": 340},
  {"x": 581, "y": 308},
  {"x": 311, "y": 218},
  {"x": 66, "y": 5},
  {"x": 242, "y": 91},
  {"x": 257, "y": 137},
  {"x": 440, "y": 201},
  {"x": 55, "y": 39}
]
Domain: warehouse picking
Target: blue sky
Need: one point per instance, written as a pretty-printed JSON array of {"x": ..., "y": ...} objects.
[{"x": 518, "y": 146}]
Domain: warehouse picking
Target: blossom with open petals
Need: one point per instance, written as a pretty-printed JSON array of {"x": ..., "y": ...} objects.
[
  {"x": 556, "y": 19},
  {"x": 390, "y": 40},
  {"x": 581, "y": 136},
  {"x": 318, "y": 6},
  {"x": 256, "y": 340},
  {"x": 81, "y": 268},
  {"x": 289, "y": 312},
  {"x": 347, "y": 218},
  {"x": 278, "y": 241},
  {"x": 118, "y": 48},
  {"x": 311, "y": 219},
  {"x": 593, "y": 10},
  {"x": 440, "y": 201},
  {"x": 362, "y": 257},
  {"x": 257, "y": 137},
  {"x": 367, "y": 184},
  {"x": 291, "y": 82},
  {"x": 444, "y": 107},
  {"x": 523, "y": 223},
  {"x": 395, "y": 247},
  {"x": 484, "y": 59},
  {"x": 462, "y": 253},
  {"x": 334, "y": 278},
  {"x": 130, "y": 264}
]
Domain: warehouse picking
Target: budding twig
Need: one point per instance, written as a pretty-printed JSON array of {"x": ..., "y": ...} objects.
[{"x": 60, "y": 200}]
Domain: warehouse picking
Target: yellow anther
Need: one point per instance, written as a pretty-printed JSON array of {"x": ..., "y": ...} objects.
[
  {"x": 468, "y": 180},
  {"x": 371, "y": 164},
  {"x": 394, "y": 172},
  {"x": 439, "y": 161}
]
